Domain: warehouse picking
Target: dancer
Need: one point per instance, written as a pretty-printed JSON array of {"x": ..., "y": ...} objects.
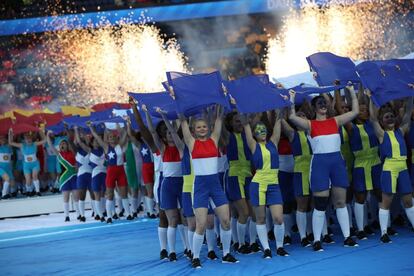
[{"x": 6, "y": 172}]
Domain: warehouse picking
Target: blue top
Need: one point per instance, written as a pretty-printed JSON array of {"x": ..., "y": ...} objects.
[
  {"x": 363, "y": 136},
  {"x": 393, "y": 146},
  {"x": 5, "y": 154},
  {"x": 257, "y": 157},
  {"x": 146, "y": 154},
  {"x": 298, "y": 142},
  {"x": 186, "y": 162}
]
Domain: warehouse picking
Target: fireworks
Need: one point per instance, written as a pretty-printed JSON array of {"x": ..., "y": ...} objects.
[{"x": 371, "y": 29}]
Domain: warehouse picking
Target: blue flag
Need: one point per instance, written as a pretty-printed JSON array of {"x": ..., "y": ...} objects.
[
  {"x": 387, "y": 79},
  {"x": 253, "y": 94},
  {"x": 195, "y": 92},
  {"x": 330, "y": 67}
]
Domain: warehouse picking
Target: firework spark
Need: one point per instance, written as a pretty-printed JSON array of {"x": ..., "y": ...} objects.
[{"x": 371, "y": 29}]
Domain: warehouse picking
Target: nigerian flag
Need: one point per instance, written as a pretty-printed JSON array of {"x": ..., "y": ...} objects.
[
  {"x": 68, "y": 171},
  {"x": 131, "y": 167}
]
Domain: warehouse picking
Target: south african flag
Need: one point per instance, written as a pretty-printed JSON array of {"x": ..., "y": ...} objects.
[{"x": 68, "y": 171}]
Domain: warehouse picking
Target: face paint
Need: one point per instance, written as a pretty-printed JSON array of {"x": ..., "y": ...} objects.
[
  {"x": 321, "y": 103},
  {"x": 260, "y": 130}
]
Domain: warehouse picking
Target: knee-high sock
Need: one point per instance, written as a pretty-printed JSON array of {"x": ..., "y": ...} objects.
[
  {"x": 241, "y": 233},
  {"x": 197, "y": 243},
  {"x": 279, "y": 231},
  {"x": 252, "y": 232},
  {"x": 182, "y": 230},
  {"x": 410, "y": 214},
  {"x": 171, "y": 237},
  {"x": 93, "y": 207},
  {"x": 301, "y": 222},
  {"x": 118, "y": 201},
  {"x": 6, "y": 185},
  {"x": 139, "y": 198},
  {"x": 162, "y": 237},
  {"x": 134, "y": 204},
  {"x": 36, "y": 184},
  {"x": 234, "y": 235},
  {"x": 102, "y": 204},
  {"x": 66, "y": 208},
  {"x": 109, "y": 204},
  {"x": 343, "y": 219},
  {"x": 359, "y": 215},
  {"x": 82, "y": 207},
  {"x": 262, "y": 233},
  {"x": 365, "y": 221},
  {"x": 125, "y": 203},
  {"x": 211, "y": 239},
  {"x": 287, "y": 221},
  {"x": 225, "y": 236},
  {"x": 98, "y": 210},
  {"x": 349, "y": 209},
  {"x": 76, "y": 205},
  {"x": 309, "y": 229},
  {"x": 318, "y": 219},
  {"x": 190, "y": 239},
  {"x": 373, "y": 208},
  {"x": 325, "y": 227},
  {"x": 384, "y": 217}
]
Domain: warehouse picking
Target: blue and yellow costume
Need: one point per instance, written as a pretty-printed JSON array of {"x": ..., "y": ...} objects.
[
  {"x": 366, "y": 171},
  {"x": 302, "y": 153},
  {"x": 240, "y": 174},
  {"x": 30, "y": 162},
  {"x": 5, "y": 161},
  {"x": 264, "y": 188},
  {"x": 346, "y": 151},
  {"x": 411, "y": 148},
  {"x": 393, "y": 152}
]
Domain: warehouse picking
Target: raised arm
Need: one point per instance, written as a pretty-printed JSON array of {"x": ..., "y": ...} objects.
[
  {"x": 188, "y": 137},
  {"x": 276, "y": 129},
  {"x": 157, "y": 143},
  {"x": 42, "y": 138},
  {"x": 49, "y": 142},
  {"x": 248, "y": 132},
  {"x": 406, "y": 119},
  {"x": 218, "y": 124},
  {"x": 131, "y": 135},
  {"x": 11, "y": 142},
  {"x": 373, "y": 117},
  {"x": 339, "y": 109},
  {"x": 98, "y": 138},
  {"x": 145, "y": 133},
  {"x": 123, "y": 137},
  {"x": 298, "y": 121},
  {"x": 177, "y": 140},
  {"x": 349, "y": 116},
  {"x": 287, "y": 130},
  {"x": 79, "y": 142}
]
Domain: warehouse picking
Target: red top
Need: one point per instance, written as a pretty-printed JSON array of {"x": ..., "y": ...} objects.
[
  {"x": 204, "y": 149},
  {"x": 284, "y": 147},
  {"x": 325, "y": 127},
  {"x": 171, "y": 154}
]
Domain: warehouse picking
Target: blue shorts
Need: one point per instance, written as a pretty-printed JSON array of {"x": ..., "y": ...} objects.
[
  {"x": 84, "y": 181},
  {"x": 301, "y": 184},
  {"x": 265, "y": 194},
  {"x": 30, "y": 167},
  {"x": 208, "y": 187},
  {"x": 366, "y": 178},
  {"x": 6, "y": 169},
  {"x": 395, "y": 178},
  {"x": 70, "y": 185},
  {"x": 223, "y": 179},
  {"x": 159, "y": 189},
  {"x": 412, "y": 175},
  {"x": 237, "y": 188},
  {"x": 328, "y": 169},
  {"x": 171, "y": 192},
  {"x": 98, "y": 182},
  {"x": 187, "y": 205},
  {"x": 286, "y": 186}
]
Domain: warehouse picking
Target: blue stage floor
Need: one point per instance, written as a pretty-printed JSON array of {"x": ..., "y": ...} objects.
[{"x": 131, "y": 248}]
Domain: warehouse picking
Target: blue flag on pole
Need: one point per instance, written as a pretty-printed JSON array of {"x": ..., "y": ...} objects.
[
  {"x": 156, "y": 100},
  {"x": 387, "y": 79},
  {"x": 329, "y": 67},
  {"x": 197, "y": 91},
  {"x": 252, "y": 94}
]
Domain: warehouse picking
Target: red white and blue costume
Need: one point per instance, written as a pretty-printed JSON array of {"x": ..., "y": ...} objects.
[
  {"x": 327, "y": 164},
  {"x": 172, "y": 183},
  {"x": 207, "y": 187},
  {"x": 286, "y": 168},
  {"x": 147, "y": 164},
  {"x": 157, "y": 176},
  {"x": 115, "y": 174}
]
